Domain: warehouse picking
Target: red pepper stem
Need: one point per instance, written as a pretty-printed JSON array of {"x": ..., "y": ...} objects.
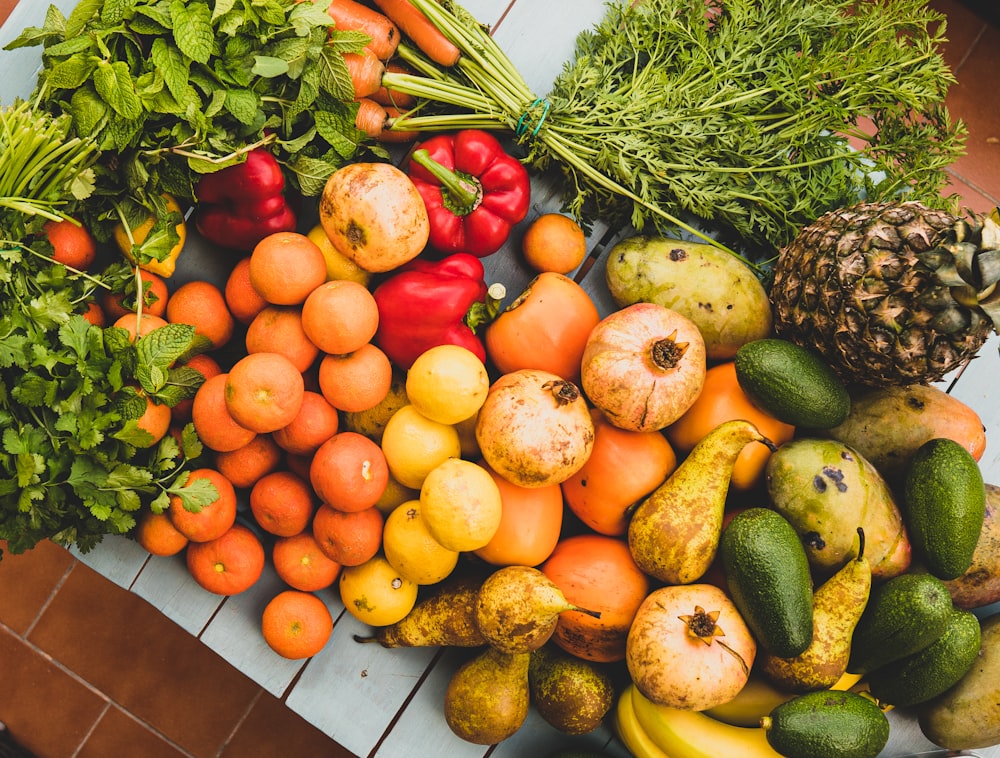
[
  {"x": 462, "y": 192},
  {"x": 482, "y": 313}
]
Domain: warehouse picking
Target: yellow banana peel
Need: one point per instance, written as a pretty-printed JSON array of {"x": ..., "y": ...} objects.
[
  {"x": 759, "y": 697},
  {"x": 691, "y": 734},
  {"x": 631, "y": 734}
]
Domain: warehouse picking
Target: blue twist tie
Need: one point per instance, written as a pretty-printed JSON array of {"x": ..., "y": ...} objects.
[{"x": 523, "y": 122}]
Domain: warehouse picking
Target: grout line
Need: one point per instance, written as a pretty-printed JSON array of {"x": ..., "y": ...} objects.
[
  {"x": 239, "y": 722},
  {"x": 93, "y": 728},
  {"x": 48, "y": 601}
]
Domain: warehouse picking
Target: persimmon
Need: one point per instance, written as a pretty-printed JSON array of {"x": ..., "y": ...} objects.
[
  {"x": 530, "y": 521},
  {"x": 721, "y": 400},
  {"x": 596, "y": 572},
  {"x": 546, "y": 327},
  {"x": 624, "y": 467}
]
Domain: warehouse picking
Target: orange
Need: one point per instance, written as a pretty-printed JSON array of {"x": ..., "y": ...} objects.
[
  {"x": 208, "y": 367},
  {"x": 285, "y": 267},
  {"x": 203, "y": 306},
  {"x": 350, "y": 539},
  {"x": 72, "y": 244},
  {"x": 349, "y": 472},
  {"x": 157, "y": 535},
  {"x": 296, "y": 624},
  {"x": 357, "y": 381},
  {"x": 213, "y": 422},
  {"x": 95, "y": 314},
  {"x": 229, "y": 564},
  {"x": 554, "y": 242},
  {"x": 282, "y": 503},
  {"x": 315, "y": 423},
  {"x": 154, "y": 297},
  {"x": 155, "y": 421},
  {"x": 212, "y": 520},
  {"x": 243, "y": 300},
  {"x": 246, "y": 465},
  {"x": 278, "y": 329},
  {"x": 340, "y": 316},
  {"x": 264, "y": 391},
  {"x": 301, "y": 564},
  {"x": 139, "y": 324}
]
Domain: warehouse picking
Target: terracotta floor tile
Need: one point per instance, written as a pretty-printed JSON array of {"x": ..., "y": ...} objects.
[
  {"x": 27, "y": 580},
  {"x": 970, "y": 99},
  {"x": 47, "y": 710},
  {"x": 117, "y": 733},
  {"x": 144, "y": 662},
  {"x": 271, "y": 729},
  {"x": 963, "y": 28},
  {"x": 971, "y": 198}
]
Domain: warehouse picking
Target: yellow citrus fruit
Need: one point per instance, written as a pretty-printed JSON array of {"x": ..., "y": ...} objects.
[
  {"x": 411, "y": 549},
  {"x": 554, "y": 242},
  {"x": 414, "y": 444},
  {"x": 375, "y": 593},
  {"x": 395, "y": 494},
  {"x": 371, "y": 422},
  {"x": 447, "y": 383},
  {"x": 338, "y": 265},
  {"x": 461, "y": 505}
]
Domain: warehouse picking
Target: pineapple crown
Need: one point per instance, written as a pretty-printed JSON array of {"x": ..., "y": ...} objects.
[{"x": 967, "y": 260}]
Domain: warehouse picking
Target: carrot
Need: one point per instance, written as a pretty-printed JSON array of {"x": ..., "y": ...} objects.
[
  {"x": 371, "y": 117},
  {"x": 352, "y": 15},
  {"x": 421, "y": 31},
  {"x": 366, "y": 72},
  {"x": 385, "y": 96},
  {"x": 395, "y": 137}
]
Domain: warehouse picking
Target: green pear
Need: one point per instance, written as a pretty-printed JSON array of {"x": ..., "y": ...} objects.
[
  {"x": 674, "y": 533},
  {"x": 445, "y": 618},
  {"x": 837, "y": 606},
  {"x": 571, "y": 694},
  {"x": 487, "y": 697},
  {"x": 518, "y": 607}
]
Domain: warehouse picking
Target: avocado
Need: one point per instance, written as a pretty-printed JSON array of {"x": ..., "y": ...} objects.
[
  {"x": 792, "y": 383},
  {"x": 904, "y": 615},
  {"x": 944, "y": 504},
  {"x": 919, "y": 677},
  {"x": 827, "y": 724},
  {"x": 767, "y": 572}
]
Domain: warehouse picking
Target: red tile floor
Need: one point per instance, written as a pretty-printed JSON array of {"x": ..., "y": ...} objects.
[{"x": 126, "y": 681}]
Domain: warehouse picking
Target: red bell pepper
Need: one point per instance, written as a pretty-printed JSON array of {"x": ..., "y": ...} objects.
[
  {"x": 474, "y": 191},
  {"x": 429, "y": 303},
  {"x": 241, "y": 204}
]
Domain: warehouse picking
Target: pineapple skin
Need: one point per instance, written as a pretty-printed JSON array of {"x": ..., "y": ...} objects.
[{"x": 854, "y": 286}]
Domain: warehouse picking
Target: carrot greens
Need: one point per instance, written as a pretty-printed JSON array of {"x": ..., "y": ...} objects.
[{"x": 731, "y": 114}]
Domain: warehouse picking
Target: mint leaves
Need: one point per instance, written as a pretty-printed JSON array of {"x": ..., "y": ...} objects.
[{"x": 170, "y": 89}]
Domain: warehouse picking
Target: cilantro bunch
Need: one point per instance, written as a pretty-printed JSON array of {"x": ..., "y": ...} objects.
[{"x": 171, "y": 89}]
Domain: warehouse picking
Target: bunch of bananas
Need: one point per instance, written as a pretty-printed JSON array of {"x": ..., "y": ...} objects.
[{"x": 649, "y": 730}]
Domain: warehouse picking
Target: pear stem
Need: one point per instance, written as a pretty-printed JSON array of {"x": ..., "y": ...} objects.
[
  {"x": 595, "y": 614},
  {"x": 359, "y": 638}
]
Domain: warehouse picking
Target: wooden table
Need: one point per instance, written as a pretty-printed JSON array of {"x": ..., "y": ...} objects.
[{"x": 363, "y": 696}]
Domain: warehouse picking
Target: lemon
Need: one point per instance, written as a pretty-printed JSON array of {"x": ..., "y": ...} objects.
[
  {"x": 447, "y": 383},
  {"x": 410, "y": 548},
  {"x": 461, "y": 505},
  {"x": 394, "y": 494},
  {"x": 375, "y": 593},
  {"x": 371, "y": 422},
  {"x": 338, "y": 265},
  {"x": 413, "y": 445}
]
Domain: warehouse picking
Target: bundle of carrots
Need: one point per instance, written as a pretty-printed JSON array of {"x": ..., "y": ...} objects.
[{"x": 379, "y": 106}]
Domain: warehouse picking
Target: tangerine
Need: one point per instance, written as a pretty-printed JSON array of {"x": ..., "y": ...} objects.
[
  {"x": 210, "y": 521},
  {"x": 340, "y": 316},
  {"x": 349, "y": 539},
  {"x": 282, "y": 503},
  {"x": 301, "y": 564},
  {"x": 296, "y": 624},
  {"x": 356, "y": 381},
  {"x": 349, "y": 472},
  {"x": 264, "y": 391},
  {"x": 202, "y": 305},
  {"x": 285, "y": 267},
  {"x": 229, "y": 564}
]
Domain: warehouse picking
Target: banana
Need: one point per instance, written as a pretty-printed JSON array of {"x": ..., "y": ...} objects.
[
  {"x": 759, "y": 697},
  {"x": 632, "y": 735},
  {"x": 690, "y": 734}
]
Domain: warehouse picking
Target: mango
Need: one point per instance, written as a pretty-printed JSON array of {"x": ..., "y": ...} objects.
[{"x": 827, "y": 490}]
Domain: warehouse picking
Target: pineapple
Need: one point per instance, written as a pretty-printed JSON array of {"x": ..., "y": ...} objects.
[{"x": 890, "y": 293}]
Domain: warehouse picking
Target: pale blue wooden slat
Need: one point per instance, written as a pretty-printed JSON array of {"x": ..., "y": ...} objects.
[
  {"x": 976, "y": 386},
  {"x": 167, "y": 585},
  {"x": 119, "y": 559},
  {"x": 353, "y": 690}
]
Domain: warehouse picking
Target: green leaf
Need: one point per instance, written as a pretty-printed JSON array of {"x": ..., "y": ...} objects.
[
  {"x": 114, "y": 84},
  {"x": 269, "y": 67},
  {"x": 114, "y": 11},
  {"x": 72, "y": 72},
  {"x": 80, "y": 15},
  {"x": 193, "y": 33},
  {"x": 222, "y": 7},
  {"x": 172, "y": 64},
  {"x": 89, "y": 111},
  {"x": 244, "y": 104}
]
